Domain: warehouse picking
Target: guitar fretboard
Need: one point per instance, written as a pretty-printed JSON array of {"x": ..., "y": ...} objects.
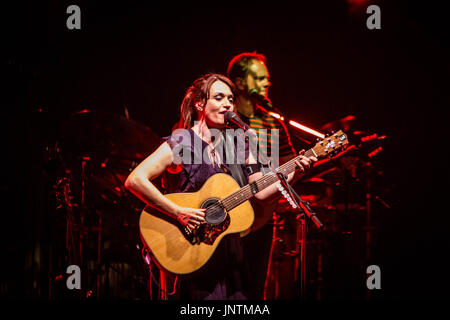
[{"x": 246, "y": 192}]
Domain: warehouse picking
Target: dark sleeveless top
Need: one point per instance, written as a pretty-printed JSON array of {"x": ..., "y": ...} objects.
[
  {"x": 195, "y": 170},
  {"x": 224, "y": 276}
]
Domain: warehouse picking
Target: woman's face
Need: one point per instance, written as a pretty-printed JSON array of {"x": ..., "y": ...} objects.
[{"x": 221, "y": 99}]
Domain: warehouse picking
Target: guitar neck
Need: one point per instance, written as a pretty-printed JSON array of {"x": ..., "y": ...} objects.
[{"x": 265, "y": 181}]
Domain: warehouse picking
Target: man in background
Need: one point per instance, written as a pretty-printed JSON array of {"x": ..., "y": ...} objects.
[{"x": 250, "y": 74}]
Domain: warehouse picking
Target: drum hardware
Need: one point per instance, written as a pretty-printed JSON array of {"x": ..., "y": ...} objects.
[
  {"x": 96, "y": 152},
  {"x": 327, "y": 187}
]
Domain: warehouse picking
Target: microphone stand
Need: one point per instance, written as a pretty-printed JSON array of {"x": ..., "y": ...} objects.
[
  {"x": 302, "y": 206},
  {"x": 304, "y": 209}
]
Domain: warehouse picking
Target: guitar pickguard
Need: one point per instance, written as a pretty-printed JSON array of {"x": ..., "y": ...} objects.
[{"x": 208, "y": 233}]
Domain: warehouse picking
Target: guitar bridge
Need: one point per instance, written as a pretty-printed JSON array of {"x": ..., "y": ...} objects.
[{"x": 191, "y": 236}]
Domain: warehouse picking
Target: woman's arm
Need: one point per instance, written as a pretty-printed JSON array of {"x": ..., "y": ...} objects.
[{"x": 139, "y": 183}]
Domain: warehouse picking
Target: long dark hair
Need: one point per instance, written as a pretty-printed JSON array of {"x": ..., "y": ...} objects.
[{"x": 199, "y": 92}]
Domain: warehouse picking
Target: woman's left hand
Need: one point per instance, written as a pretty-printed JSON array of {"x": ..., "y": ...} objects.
[{"x": 304, "y": 163}]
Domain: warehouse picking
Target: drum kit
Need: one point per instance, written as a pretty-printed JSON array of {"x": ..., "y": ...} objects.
[{"x": 97, "y": 151}]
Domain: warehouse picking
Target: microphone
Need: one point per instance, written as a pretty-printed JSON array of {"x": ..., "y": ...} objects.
[
  {"x": 265, "y": 102},
  {"x": 230, "y": 116}
]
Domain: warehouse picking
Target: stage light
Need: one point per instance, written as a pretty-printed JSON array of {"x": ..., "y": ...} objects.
[
  {"x": 375, "y": 152},
  {"x": 306, "y": 129},
  {"x": 276, "y": 115}
]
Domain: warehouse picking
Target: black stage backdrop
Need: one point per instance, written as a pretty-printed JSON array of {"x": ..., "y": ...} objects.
[{"x": 325, "y": 64}]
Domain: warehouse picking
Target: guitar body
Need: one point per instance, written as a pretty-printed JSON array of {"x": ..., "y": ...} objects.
[
  {"x": 180, "y": 251},
  {"x": 166, "y": 238}
]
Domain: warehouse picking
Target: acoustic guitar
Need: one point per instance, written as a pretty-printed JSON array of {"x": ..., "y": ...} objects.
[{"x": 181, "y": 251}]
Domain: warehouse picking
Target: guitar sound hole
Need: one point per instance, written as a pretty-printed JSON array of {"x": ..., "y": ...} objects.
[{"x": 215, "y": 213}]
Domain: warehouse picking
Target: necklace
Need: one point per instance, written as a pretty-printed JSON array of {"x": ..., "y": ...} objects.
[
  {"x": 211, "y": 146},
  {"x": 212, "y": 152}
]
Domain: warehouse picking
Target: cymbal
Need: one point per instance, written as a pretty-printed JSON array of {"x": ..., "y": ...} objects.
[
  {"x": 101, "y": 149},
  {"x": 104, "y": 135}
]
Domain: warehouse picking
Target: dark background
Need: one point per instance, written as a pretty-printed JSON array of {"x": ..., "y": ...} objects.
[{"x": 324, "y": 64}]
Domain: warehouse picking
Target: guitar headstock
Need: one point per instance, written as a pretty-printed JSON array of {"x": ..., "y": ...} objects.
[{"x": 330, "y": 145}]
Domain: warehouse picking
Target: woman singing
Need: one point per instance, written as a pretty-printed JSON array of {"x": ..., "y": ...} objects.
[{"x": 224, "y": 276}]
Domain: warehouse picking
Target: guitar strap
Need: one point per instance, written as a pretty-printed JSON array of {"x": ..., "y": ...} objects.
[
  {"x": 238, "y": 174},
  {"x": 236, "y": 169}
]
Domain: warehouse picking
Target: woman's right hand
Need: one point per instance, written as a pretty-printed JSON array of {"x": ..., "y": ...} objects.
[{"x": 190, "y": 217}]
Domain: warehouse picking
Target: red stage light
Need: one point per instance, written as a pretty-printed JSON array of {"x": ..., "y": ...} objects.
[{"x": 375, "y": 152}]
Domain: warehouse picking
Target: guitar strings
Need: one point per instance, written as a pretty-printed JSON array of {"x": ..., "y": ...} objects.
[{"x": 231, "y": 203}]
